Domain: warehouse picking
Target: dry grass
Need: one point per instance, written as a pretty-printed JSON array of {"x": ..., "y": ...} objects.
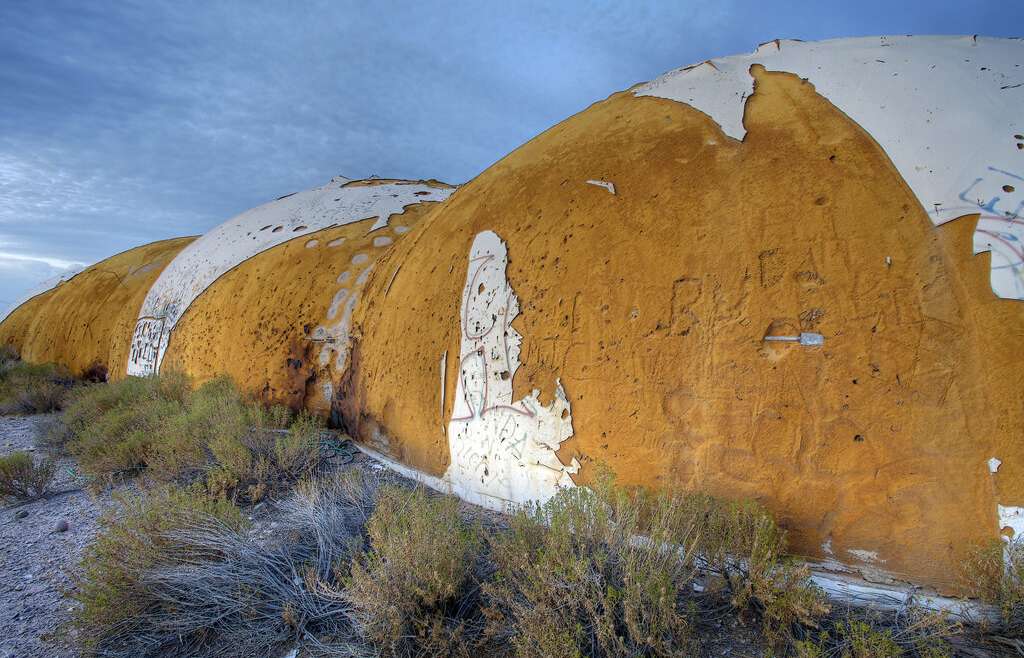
[
  {"x": 994, "y": 573},
  {"x": 137, "y": 538},
  {"x": 22, "y": 478},
  {"x": 193, "y": 584}
]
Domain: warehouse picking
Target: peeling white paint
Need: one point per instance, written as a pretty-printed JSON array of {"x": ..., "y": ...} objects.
[
  {"x": 993, "y": 465},
  {"x": 502, "y": 451},
  {"x": 1012, "y": 518},
  {"x": 603, "y": 183},
  {"x": 864, "y": 555},
  {"x": 946, "y": 110},
  {"x": 202, "y": 262},
  {"x": 382, "y": 241}
]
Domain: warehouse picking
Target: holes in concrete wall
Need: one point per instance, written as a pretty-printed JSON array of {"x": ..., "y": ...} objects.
[
  {"x": 299, "y": 228},
  {"x": 277, "y": 229},
  {"x": 1008, "y": 188}
]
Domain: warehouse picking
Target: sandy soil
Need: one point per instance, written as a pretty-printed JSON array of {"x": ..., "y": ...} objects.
[{"x": 36, "y": 558}]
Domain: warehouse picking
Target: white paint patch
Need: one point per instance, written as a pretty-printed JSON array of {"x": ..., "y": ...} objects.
[
  {"x": 993, "y": 465},
  {"x": 359, "y": 259},
  {"x": 946, "y": 110},
  {"x": 312, "y": 244},
  {"x": 337, "y": 242},
  {"x": 826, "y": 547},
  {"x": 1012, "y": 518},
  {"x": 382, "y": 241},
  {"x": 603, "y": 183},
  {"x": 401, "y": 229},
  {"x": 343, "y": 277},
  {"x": 502, "y": 451},
  {"x": 864, "y": 556},
  {"x": 202, "y": 262}
]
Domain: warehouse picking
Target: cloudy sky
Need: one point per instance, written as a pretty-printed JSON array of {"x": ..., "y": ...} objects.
[{"x": 127, "y": 122}]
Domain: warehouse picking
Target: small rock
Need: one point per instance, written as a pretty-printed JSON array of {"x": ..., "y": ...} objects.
[
  {"x": 20, "y": 514},
  {"x": 62, "y": 526}
]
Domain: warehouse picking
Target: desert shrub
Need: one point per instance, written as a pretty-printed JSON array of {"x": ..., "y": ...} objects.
[
  {"x": 868, "y": 633},
  {"x": 22, "y": 478},
  {"x": 8, "y": 354},
  {"x": 574, "y": 577},
  {"x": 110, "y": 427},
  {"x": 413, "y": 590},
  {"x": 994, "y": 572},
  {"x": 202, "y": 588},
  {"x": 28, "y": 388},
  {"x": 741, "y": 543},
  {"x": 136, "y": 537},
  {"x": 236, "y": 447}
]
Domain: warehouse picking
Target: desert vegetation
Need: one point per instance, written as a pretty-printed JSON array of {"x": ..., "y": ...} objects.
[
  {"x": 365, "y": 568},
  {"x": 213, "y": 436},
  {"x": 362, "y": 564},
  {"x": 28, "y": 388},
  {"x": 24, "y": 478}
]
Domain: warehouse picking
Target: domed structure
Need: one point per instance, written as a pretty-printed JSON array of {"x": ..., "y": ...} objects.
[
  {"x": 85, "y": 322},
  {"x": 620, "y": 291},
  {"x": 793, "y": 275}
]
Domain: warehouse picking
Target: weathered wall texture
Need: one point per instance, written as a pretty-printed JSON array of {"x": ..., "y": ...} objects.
[
  {"x": 342, "y": 201},
  {"x": 88, "y": 320},
  {"x": 650, "y": 306},
  {"x": 278, "y": 323}
]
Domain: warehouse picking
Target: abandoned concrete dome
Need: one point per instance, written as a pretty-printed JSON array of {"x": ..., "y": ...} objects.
[{"x": 793, "y": 275}]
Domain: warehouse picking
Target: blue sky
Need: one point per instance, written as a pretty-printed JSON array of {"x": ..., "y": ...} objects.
[{"x": 127, "y": 122}]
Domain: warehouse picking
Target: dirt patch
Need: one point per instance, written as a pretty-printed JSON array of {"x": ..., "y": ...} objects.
[{"x": 36, "y": 559}]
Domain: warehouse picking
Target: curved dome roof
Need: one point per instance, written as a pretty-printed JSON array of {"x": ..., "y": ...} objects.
[{"x": 340, "y": 202}]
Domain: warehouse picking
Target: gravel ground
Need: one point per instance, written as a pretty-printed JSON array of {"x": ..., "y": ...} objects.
[{"x": 36, "y": 558}]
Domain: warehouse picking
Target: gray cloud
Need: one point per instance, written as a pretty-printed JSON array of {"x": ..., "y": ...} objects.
[{"x": 127, "y": 122}]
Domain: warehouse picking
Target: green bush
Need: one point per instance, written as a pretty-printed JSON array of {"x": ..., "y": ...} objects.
[
  {"x": 28, "y": 388},
  {"x": 574, "y": 577},
  {"x": 408, "y": 587},
  {"x": 22, "y": 478},
  {"x": 136, "y": 538},
  {"x": 239, "y": 449}
]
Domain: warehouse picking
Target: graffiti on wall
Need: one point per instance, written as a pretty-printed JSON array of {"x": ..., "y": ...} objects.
[
  {"x": 1000, "y": 228},
  {"x": 503, "y": 451}
]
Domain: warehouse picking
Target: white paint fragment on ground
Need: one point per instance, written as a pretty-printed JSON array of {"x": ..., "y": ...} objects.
[
  {"x": 603, "y": 183},
  {"x": 946, "y": 110},
  {"x": 252, "y": 232},
  {"x": 502, "y": 450}
]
